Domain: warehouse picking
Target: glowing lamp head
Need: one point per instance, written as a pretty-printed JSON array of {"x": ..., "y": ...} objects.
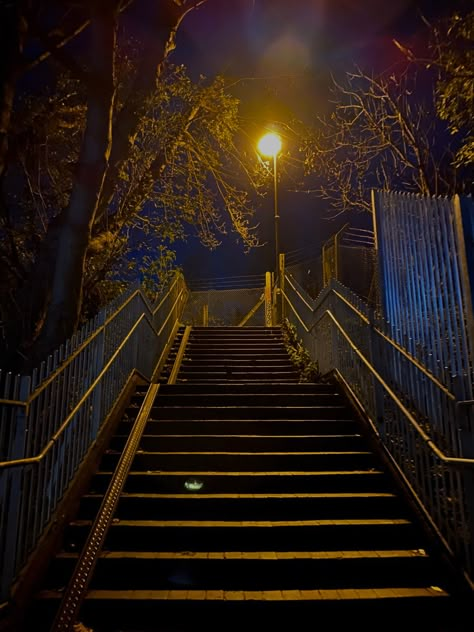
[{"x": 269, "y": 145}]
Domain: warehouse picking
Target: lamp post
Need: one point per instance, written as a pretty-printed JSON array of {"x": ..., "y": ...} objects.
[{"x": 270, "y": 146}]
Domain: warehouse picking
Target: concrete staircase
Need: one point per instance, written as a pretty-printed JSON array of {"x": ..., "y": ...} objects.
[{"x": 254, "y": 502}]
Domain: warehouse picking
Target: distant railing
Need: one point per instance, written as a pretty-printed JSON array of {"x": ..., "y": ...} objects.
[
  {"x": 49, "y": 420},
  {"x": 424, "y": 428},
  {"x": 226, "y": 283},
  {"x": 225, "y": 301}
]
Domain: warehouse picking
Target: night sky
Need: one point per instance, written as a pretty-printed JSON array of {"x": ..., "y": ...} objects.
[{"x": 283, "y": 54}]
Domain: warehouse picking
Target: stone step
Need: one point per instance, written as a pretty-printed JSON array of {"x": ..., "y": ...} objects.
[
  {"x": 204, "y": 506},
  {"x": 239, "y": 352},
  {"x": 244, "y": 461},
  {"x": 243, "y": 443},
  {"x": 254, "y": 570},
  {"x": 177, "y": 482},
  {"x": 247, "y": 389},
  {"x": 244, "y": 379},
  {"x": 207, "y": 413},
  {"x": 252, "y": 535},
  {"x": 237, "y": 400},
  {"x": 236, "y": 339},
  {"x": 243, "y": 332},
  {"x": 224, "y": 427},
  {"x": 185, "y": 610},
  {"x": 236, "y": 354},
  {"x": 274, "y": 374}
]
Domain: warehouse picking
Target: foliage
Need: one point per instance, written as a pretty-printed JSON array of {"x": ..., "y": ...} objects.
[
  {"x": 111, "y": 158},
  {"x": 46, "y": 129},
  {"x": 184, "y": 172},
  {"x": 409, "y": 128},
  {"x": 299, "y": 355},
  {"x": 379, "y": 135},
  {"x": 453, "y": 57}
]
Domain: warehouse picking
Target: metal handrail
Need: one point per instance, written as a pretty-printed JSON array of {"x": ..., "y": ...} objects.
[
  {"x": 295, "y": 311},
  {"x": 13, "y": 402},
  {"x": 449, "y": 460},
  {"x": 349, "y": 304},
  {"x": 158, "y": 333},
  {"x": 39, "y": 457},
  {"x": 50, "y": 431},
  {"x": 77, "y": 351},
  {"x": 153, "y": 311},
  {"x": 380, "y": 333},
  {"x": 79, "y": 582},
  {"x": 290, "y": 281},
  {"x": 26, "y": 403},
  {"x": 179, "y": 356}
]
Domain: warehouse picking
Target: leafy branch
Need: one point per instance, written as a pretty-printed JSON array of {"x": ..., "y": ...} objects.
[{"x": 299, "y": 355}]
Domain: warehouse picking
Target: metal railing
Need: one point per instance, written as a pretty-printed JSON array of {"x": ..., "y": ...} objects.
[
  {"x": 50, "y": 420},
  {"x": 426, "y": 431},
  {"x": 249, "y": 281},
  {"x": 424, "y": 282},
  {"x": 224, "y": 307}
]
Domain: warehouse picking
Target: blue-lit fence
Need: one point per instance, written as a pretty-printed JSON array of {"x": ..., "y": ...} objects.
[
  {"x": 424, "y": 428},
  {"x": 411, "y": 372},
  {"x": 424, "y": 282}
]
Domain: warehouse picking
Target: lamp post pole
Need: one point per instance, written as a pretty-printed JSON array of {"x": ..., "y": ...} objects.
[
  {"x": 270, "y": 146},
  {"x": 277, "y": 220}
]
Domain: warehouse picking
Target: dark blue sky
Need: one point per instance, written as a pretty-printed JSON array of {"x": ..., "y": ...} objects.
[{"x": 285, "y": 52}]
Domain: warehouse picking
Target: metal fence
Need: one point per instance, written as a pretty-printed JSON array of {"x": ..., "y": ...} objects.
[
  {"x": 424, "y": 283},
  {"x": 308, "y": 272},
  {"x": 424, "y": 427},
  {"x": 50, "y": 419},
  {"x": 227, "y": 301},
  {"x": 348, "y": 256}
]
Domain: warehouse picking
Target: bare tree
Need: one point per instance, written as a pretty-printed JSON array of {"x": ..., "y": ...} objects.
[{"x": 382, "y": 133}]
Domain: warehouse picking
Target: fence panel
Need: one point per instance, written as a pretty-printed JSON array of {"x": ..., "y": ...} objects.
[
  {"x": 49, "y": 421},
  {"x": 224, "y": 307},
  {"x": 425, "y": 290},
  {"x": 416, "y": 416}
]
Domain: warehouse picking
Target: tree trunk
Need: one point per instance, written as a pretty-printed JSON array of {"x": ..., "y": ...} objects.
[
  {"x": 12, "y": 37},
  {"x": 66, "y": 291},
  {"x": 166, "y": 18}
]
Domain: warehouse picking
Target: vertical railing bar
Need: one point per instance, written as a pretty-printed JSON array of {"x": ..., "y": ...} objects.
[
  {"x": 451, "y": 358},
  {"x": 463, "y": 291},
  {"x": 411, "y": 331},
  {"x": 426, "y": 273},
  {"x": 436, "y": 329},
  {"x": 420, "y": 306},
  {"x": 452, "y": 324}
]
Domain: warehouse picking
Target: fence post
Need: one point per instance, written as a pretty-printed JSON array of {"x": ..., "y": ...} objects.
[
  {"x": 464, "y": 420},
  {"x": 99, "y": 363},
  {"x": 378, "y": 363},
  {"x": 268, "y": 299},
  {"x": 282, "y": 286},
  {"x": 334, "y": 333},
  {"x": 464, "y": 228},
  {"x": 12, "y": 489}
]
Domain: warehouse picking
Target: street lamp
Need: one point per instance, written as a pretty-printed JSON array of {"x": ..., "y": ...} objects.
[{"x": 270, "y": 146}]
